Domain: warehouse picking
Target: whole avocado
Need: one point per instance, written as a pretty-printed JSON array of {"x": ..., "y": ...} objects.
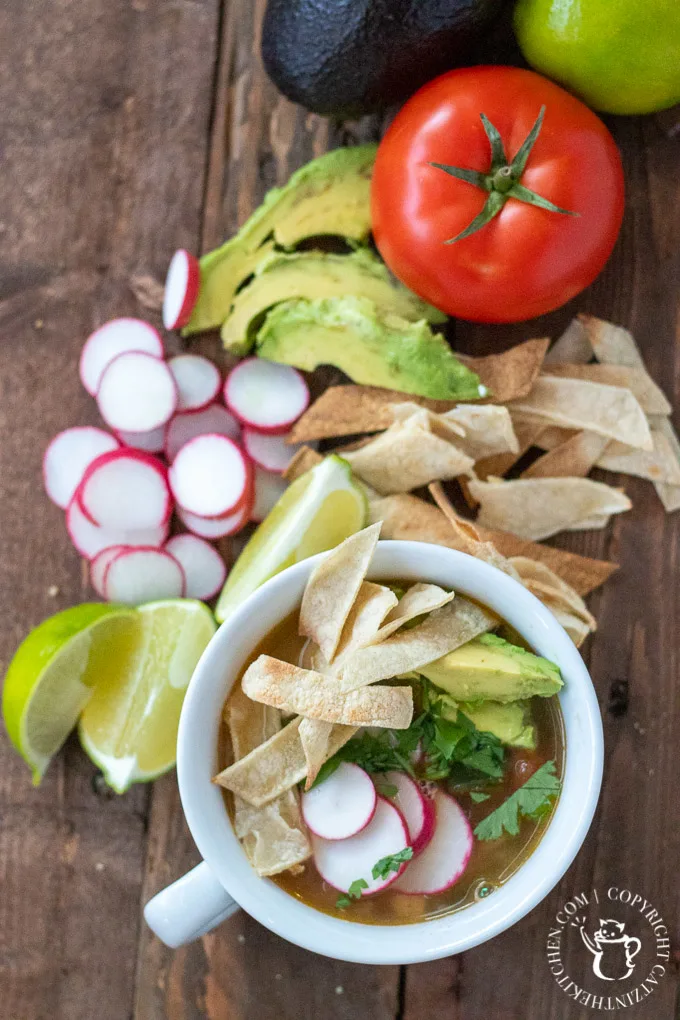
[{"x": 345, "y": 58}]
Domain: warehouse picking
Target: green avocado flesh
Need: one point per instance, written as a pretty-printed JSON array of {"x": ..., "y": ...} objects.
[
  {"x": 491, "y": 669},
  {"x": 315, "y": 275},
  {"x": 329, "y": 196},
  {"x": 371, "y": 346},
  {"x": 511, "y": 722}
]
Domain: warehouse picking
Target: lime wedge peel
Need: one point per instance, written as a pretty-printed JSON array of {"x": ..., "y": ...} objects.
[
  {"x": 51, "y": 677},
  {"x": 318, "y": 511}
]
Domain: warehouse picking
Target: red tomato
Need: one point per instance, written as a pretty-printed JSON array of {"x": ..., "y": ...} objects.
[{"x": 526, "y": 260}]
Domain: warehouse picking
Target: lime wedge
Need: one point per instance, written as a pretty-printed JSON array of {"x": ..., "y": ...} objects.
[
  {"x": 51, "y": 677},
  {"x": 320, "y": 509},
  {"x": 129, "y": 725}
]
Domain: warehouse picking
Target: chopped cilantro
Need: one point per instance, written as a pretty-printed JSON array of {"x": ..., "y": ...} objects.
[
  {"x": 386, "y": 865},
  {"x": 353, "y": 893},
  {"x": 387, "y": 789},
  {"x": 477, "y": 798},
  {"x": 529, "y": 800}
]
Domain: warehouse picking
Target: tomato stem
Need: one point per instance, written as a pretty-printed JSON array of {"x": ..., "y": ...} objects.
[{"x": 502, "y": 180}]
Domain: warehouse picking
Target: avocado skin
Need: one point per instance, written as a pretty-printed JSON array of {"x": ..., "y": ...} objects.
[{"x": 345, "y": 58}]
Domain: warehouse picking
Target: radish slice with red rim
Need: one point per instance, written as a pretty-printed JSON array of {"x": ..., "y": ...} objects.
[
  {"x": 99, "y": 566},
  {"x": 68, "y": 457},
  {"x": 142, "y": 575},
  {"x": 446, "y": 856},
  {"x": 269, "y": 488},
  {"x": 148, "y": 442},
  {"x": 216, "y": 527},
  {"x": 266, "y": 396},
  {"x": 203, "y": 566},
  {"x": 269, "y": 452},
  {"x": 341, "y": 862},
  {"x": 181, "y": 289},
  {"x": 125, "y": 490},
  {"x": 113, "y": 338},
  {"x": 417, "y": 808},
  {"x": 137, "y": 393},
  {"x": 187, "y": 425},
  {"x": 198, "y": 381},
  {"x": 210, "y": 476},
  {"x": 89, "y": 539},
  {"x": 342, "y": 805}
]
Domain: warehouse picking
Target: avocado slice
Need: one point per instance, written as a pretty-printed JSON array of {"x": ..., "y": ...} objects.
[
  {"x": 369, "y": 345},
  {"x": 328, "y": 196},
  {"x": 491, "y": 669},
  {"x": 313, "y": 275},
  {"x": 510, "y": 722}
]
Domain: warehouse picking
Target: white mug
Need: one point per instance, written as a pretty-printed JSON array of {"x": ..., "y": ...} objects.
[{"x": 225, "y": 881}]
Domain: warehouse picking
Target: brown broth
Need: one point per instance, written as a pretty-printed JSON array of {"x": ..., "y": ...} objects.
[{"x": 492, "y": 862}]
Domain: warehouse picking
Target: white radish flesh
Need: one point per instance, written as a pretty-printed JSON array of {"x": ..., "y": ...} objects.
[
  {"x": 210, "y": 476},
  {"x": 110, "y": 340},
  {"x": 269, "y": 488},
  {"x": 187, "y": 425},
  {"x": 203, "y": 567},
  {"x": 89, "y": 539},
  {"x": 137, "y": 393},
  {"x": 342, "y": 805},
  {"x": 181, "y": 289},
  {"x": 417, "y": 809},
  {"x": 125, "y": 491},
  {"x": 197, "y": 380},
  {"x": 266, "y": 396},
  {"x": 216, "y": 527},
  {"x": 143, "y": 575},
  {"x": 271, "y": 453},
  {"x": 149, "y": 442},
  {"x": 342, "y": 862},
  {"x": 68, "y": 457},
  {"x": 445, "y": 858},
  {"x": 99, "y": 566}
]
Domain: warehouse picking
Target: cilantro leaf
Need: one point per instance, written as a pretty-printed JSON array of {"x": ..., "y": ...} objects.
[
  {"x": 386, "y": 865},
  {"x": 529, "y": 800},
  {"x": 353, "y": 893},
  {"x": 387, "y": 789},
  {"x": 477, "y": 798}
]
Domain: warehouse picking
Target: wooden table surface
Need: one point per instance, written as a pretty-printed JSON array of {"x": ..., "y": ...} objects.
[{"x": 129, "y": 128}]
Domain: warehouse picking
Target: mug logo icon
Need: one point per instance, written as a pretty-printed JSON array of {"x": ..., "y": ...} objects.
[{"x": 613, "y": 951}]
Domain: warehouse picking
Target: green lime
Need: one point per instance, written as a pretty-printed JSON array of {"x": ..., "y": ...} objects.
[
  {"x": 51, "y": 677},
  {"x": 129, "y": 725},
  {"x": 320, "y": 509},
  {"x": 620, "y": 56}
]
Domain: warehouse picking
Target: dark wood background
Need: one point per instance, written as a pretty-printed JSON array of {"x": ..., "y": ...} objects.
[{"x": 128, "y": 128}]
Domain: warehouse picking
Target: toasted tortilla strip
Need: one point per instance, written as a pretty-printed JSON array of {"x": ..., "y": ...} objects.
[
  {"x": 476, "y": 430},
  {"x": 442, "y": 631},
  {"x": 275, "y": 766},
  {"x": 417, "y": 601},
  {"x": 553, "y": 597},
  {"x": 658, "y": 465},
  {"x": 537, "y": 508},
  {"x": 549, "y": 583},
  {"x": 249, "y": 724},
  {"x": 595, "y": 523},
  {"x": 571, "y": 459},
  {"x": 594, "y": 407},
  {"x": 373, "y": 603},
  {"x": 651, "y": 397},
  {"x": 552, "y": 436},
  {"x": 468, "y": 536},
  {"x": 314, "y": 737},
  {"x": 436, "y": 422},
  {"x": 527, "y": 430},
  {"x": 333, "y": 587},
  {"x": 316, "y": 696},
  {"x": 510, "y": 374},
  {"x": 303, "y": 461},
  {"x": 577, "y": 629},
  {"x": 573, "y": 346},
  {"x": 412, "y": 519},
  {"x": 407, "y": 456}
]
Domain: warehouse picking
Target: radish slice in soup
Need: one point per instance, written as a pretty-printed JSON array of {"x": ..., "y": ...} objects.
[
  {"x": 417, "y": 809},
  {"x": 342, "y": 805},
  {"x": 341, "y": 862},
  {"x": 446, "y": 856}
]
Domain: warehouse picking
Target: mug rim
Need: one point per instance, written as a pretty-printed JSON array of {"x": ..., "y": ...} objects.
[{"x": 208, "y": 819}]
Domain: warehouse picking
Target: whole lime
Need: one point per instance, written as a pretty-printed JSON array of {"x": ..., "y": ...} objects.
[{"x": 620, "y": 56}]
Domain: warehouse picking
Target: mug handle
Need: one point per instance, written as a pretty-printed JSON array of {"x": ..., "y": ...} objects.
[{"x": 190, "y": 907}]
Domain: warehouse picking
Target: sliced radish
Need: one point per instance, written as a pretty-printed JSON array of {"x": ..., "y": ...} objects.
[
  {"x": 445, "y": 858},
  {"x": 215, "y": 527},
  {"x": 269, "y": 452},
  {"x": 137, "y": 393},
  {"x": 143, "y": 575},
  {"x": 68, "y": 457},
  {"x": 341, "y": 862},
  {"x": 198, "y": 381},
  {"x": 203, "y": 566},
  {"x": 266, "y": 396},
  {"x": 342, "y": 805},
  {"x": 187, "y": 425},
  {"x": 149, "y": 442},
  {"x": 99, "y": 566},
  {"x": 417, "y": 809},
  {"x": 89, "y": 539},
  {"x": 181, "y": 289},
  {"x": 269, "y": 489},
  {"x": 110, "y": 340},
  {"x": 125, "y": 490},
  {"x": 210, "y": 476}
]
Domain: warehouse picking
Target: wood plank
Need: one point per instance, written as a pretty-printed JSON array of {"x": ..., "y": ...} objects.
[{"x": 104, "y": 145}]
